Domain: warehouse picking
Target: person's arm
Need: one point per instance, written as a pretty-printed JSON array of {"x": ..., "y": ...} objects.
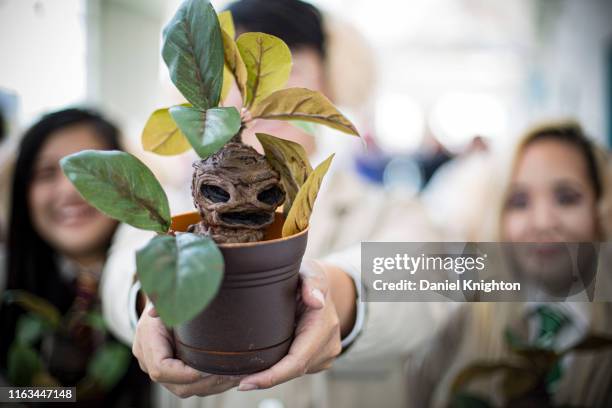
[
  {"x": 344, "y": 295},
  {"x": 386, "y": 330}
]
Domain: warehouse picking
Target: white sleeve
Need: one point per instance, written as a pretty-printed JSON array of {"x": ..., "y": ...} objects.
[
  {"x": 344, "y": 261},
  {"x": 116, "y": 285},
  {"x": 387, "y": 330}
]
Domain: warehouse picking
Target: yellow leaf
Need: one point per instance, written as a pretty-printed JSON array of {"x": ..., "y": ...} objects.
[
  {"x": 161, "y": 135},
  {"x": 43, "y": 379},
  {"x": 227, "y": 26},
  {"x": 234, "y": 64},
  {"x": 299, "y": 214},
  {"x": 34, "y": 304},
  {"x": 268, "y": 62},
  {"x": 228, "y": 79},
  {"x": 305, "y": 105},
  {"x": 291, "y": 162},
  {"x": 226, "y": 21}
]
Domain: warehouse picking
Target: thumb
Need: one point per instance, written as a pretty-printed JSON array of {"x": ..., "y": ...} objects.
[
  {"x": 150, "y": 309},
  {"x": 314, "y": 283}
]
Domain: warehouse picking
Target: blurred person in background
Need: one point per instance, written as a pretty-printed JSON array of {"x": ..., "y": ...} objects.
[
  {"x": 51, "y": 324},
  {"x": 452, "y": 195},
  {"x": 331, "y": 57},
  {"x": 558, "y": 190},
  {"x": 328, "y": 56}
]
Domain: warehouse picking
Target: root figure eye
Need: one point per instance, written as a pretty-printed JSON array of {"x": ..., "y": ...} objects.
[
  {"x": 214, "y": 193},
  {"x": 271, "y": 196}
]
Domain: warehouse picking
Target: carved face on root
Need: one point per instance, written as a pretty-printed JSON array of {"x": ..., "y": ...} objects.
[{"x": 236, "y": 192}]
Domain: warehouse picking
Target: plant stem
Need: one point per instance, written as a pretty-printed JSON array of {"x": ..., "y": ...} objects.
[{"x": 237, "y": 138}]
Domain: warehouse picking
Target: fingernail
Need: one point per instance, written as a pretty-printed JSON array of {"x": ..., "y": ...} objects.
[
  {"x": 247, "y": 387},
  {"x": 317, "y": 294}
]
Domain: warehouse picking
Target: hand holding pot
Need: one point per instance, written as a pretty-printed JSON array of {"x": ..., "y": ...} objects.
[
  {"x": 317, "y": 337},
  {"x": 153, "y": 348},
  {"x": 326, "y": 309}
]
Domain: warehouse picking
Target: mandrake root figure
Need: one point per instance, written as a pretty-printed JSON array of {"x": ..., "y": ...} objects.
[{"x": 236, "y": 192}]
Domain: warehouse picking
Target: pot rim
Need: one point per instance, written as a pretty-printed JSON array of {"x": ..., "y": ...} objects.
[{"x": 250, "y": 244}]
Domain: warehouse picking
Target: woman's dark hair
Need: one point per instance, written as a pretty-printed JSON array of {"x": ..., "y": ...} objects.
[
  {"x": 31, "y": 261},
  {"x": 572, "y": 133},
  {"x": 295, "y": 22}
]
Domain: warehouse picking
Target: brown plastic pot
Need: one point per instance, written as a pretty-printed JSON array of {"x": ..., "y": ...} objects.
[{"x": 249, "y": 325}]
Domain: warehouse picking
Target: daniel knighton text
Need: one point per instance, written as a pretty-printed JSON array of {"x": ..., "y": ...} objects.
[{"x": 484, "y": 271}]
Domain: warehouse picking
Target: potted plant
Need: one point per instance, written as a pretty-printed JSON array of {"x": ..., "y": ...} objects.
[{"x": 224, "y": 277}]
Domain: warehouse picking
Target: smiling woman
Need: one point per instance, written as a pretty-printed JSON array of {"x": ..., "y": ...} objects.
[
  {"x": 51, "y": 326},
  {"x": 59, "y": 214}
]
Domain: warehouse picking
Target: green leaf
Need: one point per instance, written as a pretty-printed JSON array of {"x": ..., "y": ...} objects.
[
  {"x": 35, "y": 305},
  {"x": 109, "y": 364},
  {"x": 299, "y": 214},
  {"x": 121, "y": 186},
  {"x": 291, "y": 162},
  {"x": 30, "y": 329},
  {"x": 193, "y": 51},
  {"x": 207, "y": 131},
  {"x": 23, "y": 364},
  {"x": 226, "y": 21},
  {"x": 95, "y": 320},
  {"x": 305, "y": 105},
  {"x": 161, "y": 135},
  {"x": 181, "y": 275},
  {"x": 235, "y": 64},
  {"x": 268, "y": 62}
]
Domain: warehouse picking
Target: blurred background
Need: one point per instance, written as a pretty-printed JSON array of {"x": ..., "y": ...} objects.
[
  {"x": 449, "y": 69},
  {"x": 425, "y": 81}
]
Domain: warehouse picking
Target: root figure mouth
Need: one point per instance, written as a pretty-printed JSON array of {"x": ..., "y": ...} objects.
[{"x": 246, "y": 218}]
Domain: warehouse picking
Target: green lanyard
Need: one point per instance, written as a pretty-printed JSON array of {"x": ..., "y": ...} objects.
[{"x": 552, "y": 321}]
